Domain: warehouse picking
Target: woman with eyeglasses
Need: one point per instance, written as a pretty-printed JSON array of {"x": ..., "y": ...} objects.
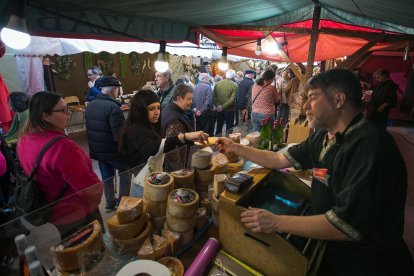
[{"x": 64, "y": 162}]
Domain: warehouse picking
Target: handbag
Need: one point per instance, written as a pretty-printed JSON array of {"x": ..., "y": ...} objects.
[
  {"x": 154, "y": 164},
  {"x": 29, "y": 198}
]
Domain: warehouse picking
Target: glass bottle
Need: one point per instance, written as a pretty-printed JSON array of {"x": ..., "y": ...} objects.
[
  {"x": 280, "y": 132},
  {"x": 35, "y": 269},
  {"x": 31, "y": 255},
  {"x": 21, "y": 244},
  {"x": 262, "y": 134},
  {"x": 274, "y": 136}
]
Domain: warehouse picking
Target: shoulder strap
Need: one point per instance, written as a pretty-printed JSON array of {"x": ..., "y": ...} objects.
[
  {"x": 42, "y": 152},
  {"x": 258, "y": 93}
]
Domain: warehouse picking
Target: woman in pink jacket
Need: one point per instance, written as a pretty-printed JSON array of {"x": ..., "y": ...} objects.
[{"x": 64, "y": 162}]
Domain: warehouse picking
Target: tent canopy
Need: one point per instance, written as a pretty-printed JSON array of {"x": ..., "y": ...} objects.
[{"x": 182, "y": 20}]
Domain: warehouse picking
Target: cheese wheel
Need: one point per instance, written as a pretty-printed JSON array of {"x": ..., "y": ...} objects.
[
  {"x": 180, "y": 225},
  {"x": 97, "y": 265},
  {"x": 219, "y": 184},
  {"x": 174, "y": 265},
  {"x": 184, "y": 178},
  {"x": 161, "y": 246},
  {"x": 129, "y": 209},
  {"x": 158, "y": 192},
  {"x": 155, "y": 208},
  {"x": 215, "y": 204},
  {"x": 127, "y": 230},
  {"x": 182, "y": 210},
  {"x": 201, "y": 159},
  {"x": 173, "y": 239},
  {"x": 204, "y": 178},
  {"x": 146, "y": 251},
  {"x": 185, "y": 237},
  {"x": 201, "y": 218},
  {"x": 131, "y": 246},
  {"x": 66, "y": 254},
  {"x": 157, "y": 222}
]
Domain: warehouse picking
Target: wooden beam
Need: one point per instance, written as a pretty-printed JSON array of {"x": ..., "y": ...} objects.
[
  {"x": 361, "y": 51},
  {"x": 266, "y": 29},
  {"x": 313, "y": 40}
]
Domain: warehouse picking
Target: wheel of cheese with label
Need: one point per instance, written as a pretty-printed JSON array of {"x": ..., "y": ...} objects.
[
  {"x": 87, "y": 240},
  {"x": 156, "y": 208},
  {"x": 129, "y": 209},
  {"x": 182, "y": 210},
  {"x": 128, "y": 230},
  {"x": 158, "y": 192},
  {"x": 184, "y": 178},
  {"x": 180, "y": 225},
  {"x": 131, "y": 246}
]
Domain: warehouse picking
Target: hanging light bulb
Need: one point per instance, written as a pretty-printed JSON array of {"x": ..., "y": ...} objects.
[
  {"x": 258, "y": 51},
  {"x": 161, "y": 64},
  {"x": 272, "y": 47},
  {"x": 223, "y": 65},
  {"x": 15, "y": 33}
]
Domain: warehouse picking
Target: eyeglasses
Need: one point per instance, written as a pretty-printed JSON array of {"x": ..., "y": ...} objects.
[{"x": 64, "y": 110}]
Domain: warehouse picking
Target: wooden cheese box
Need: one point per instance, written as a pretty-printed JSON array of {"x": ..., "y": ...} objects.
[{"x": 270, "y": 254}]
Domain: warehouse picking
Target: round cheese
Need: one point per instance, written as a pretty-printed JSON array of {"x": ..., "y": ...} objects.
[
  {"x": 131, "y": 246},
  {"x": 129, "y": 209},
  {"x": 184, "y": 178},
  {"x": 158, "y": 192},
  {"x": 127, "y": 230},
  {"x": 182, "y": 210},
  {"x": 67, "y": 252},
  {"x": 180, "y": 225},
  {"x": 155, "y": 208}
]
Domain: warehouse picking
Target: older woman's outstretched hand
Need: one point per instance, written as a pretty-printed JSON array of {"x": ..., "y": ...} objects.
[{"x": 196, "y": 136}]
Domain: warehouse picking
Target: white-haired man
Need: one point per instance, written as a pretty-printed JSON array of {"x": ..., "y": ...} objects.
[
  {"x": 104, "y": 120},
  {"x": 203, "y": 104},
  {"x": 224, "y": 98}
]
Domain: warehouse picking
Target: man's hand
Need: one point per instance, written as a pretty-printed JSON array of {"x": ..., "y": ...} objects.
[
  {"x": 244, "y": 114},
  {"x": 196, "y": 112},
  {"x": 259, "y": 220},
  {"x": 219, "y": 109},
  {"x": 225, "y": 145}
]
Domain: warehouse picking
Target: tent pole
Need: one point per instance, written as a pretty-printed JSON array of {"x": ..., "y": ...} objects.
[
  {"x": 361, "y": 51},
  {"x": 313, "y": 39}
]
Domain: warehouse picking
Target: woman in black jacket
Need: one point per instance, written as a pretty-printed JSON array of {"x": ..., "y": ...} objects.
[{"x": 141, "y": 137}]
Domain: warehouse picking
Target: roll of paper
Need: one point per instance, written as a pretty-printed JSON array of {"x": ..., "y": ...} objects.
[{"x": 204, "y": 257}]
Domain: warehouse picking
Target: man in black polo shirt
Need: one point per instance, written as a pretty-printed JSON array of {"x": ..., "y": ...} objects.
[{"x": 358, "y": 188}]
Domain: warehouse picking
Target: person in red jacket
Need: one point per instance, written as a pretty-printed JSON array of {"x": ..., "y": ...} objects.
[{"x": 64, "y": 162}]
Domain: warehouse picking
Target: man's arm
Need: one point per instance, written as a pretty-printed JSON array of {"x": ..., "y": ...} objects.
[
  {"x": 267, "y": 159},
  {"x": 315, "y": 227}
]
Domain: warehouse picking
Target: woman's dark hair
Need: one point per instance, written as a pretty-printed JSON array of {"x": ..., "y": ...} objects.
[
  {"x": 19, "y": 101},
  {"x": 138, "y": 116},
  {"x": 41, "y": 102},
  {"x": 266, "y": 76}
]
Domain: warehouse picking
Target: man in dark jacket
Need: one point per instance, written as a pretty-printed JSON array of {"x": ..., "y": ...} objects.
[
  {"x": 242, "y": 95},
  {"x": 165, "y": 85},
  {"x": 104, "y": 120},
  {"x": 384, "y": 97}
]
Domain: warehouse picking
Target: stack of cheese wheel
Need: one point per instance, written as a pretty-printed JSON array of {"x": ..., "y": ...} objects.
[
  {"x": 155, "y": 198},
  {"x": 204, "y": 171},
  {"x": 181, "y": 215},
  {"x": 184, "y": 178},
  {"x": 67, "y": 253},
  {"x": 218, "y": 188},
  {"x": 130, "y": 227}
]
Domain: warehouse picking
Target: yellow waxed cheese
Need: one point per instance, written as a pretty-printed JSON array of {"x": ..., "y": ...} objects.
[
  {"x": 161, "y": 246},
  {"x": 127, "y": 230},
  {"x": 146, "y": 251},
  {"x": 129, "y": 209}
]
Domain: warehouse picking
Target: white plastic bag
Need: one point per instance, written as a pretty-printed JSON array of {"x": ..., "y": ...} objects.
[{"x": 154, "y": 164}]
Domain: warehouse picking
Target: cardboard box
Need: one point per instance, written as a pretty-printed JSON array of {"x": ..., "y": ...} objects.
[{"x": 270, "y": 254}]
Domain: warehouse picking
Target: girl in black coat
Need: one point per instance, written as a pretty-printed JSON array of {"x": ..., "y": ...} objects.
[{"x": 141, "y": 137}]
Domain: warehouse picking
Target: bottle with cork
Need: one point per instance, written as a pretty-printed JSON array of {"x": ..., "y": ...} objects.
[{"x": 21, "y": 244}]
